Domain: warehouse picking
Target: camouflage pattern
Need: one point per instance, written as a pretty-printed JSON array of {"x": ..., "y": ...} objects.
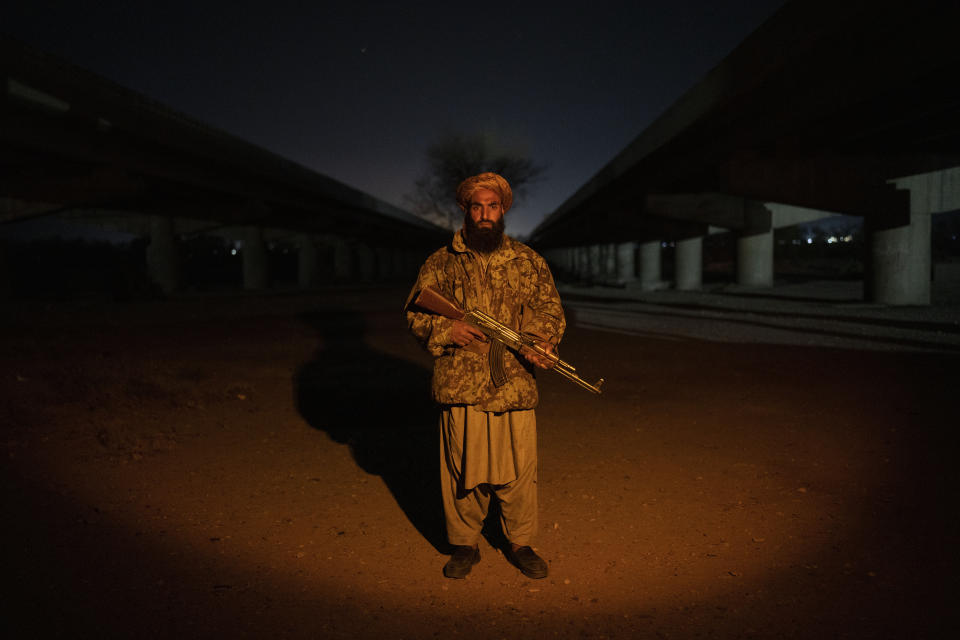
[{"x": 516, "y": 288}]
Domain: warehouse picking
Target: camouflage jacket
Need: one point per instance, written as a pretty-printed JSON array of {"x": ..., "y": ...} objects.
[{"x": 517, "y": 289}]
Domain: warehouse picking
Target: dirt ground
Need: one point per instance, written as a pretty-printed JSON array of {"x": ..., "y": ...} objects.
[{"x": 244, "y": 466}]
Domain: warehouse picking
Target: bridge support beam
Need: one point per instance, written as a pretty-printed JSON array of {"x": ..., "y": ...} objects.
[
  {"x": 583, "y": 263},
  {"x": 689, "y": 264},
  {"x": 755, "y": 259},
  {"x": 899, "y": 271},
  {"x": 162, "y": 254},
  {"x": 594, "y": 272},
  {"x": 254, "y": 259},
  {"x": 900, "y": 264},
  {"x": 608, "y": 261},
  {"x": 650, "y": 274},
  {"x": 626, "y": 262}
]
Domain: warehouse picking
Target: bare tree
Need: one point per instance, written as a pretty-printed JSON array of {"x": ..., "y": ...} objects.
[{"x": 455, "y": 157}]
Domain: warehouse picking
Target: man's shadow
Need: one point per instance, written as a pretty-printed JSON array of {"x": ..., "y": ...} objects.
[{"x": 380, "y": 407}]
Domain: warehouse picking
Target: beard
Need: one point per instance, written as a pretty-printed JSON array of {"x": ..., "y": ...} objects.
[{"x": 482, "y": 239}]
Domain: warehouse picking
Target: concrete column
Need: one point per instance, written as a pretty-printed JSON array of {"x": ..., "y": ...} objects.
[
  {"x": 600, "y": 263},
  {"x": 900, "y": 263},
  {"x": 254, "y": 259},
  {"x": 689, "y": 264},
  {"x": 610, "y": 262},
  {"x": 755, "y": 259},
  {"x": 344, "y": 262},
  {"x": 162, "y": 254},
  {"x": 308, "y": 268},
  {"x": 593, "y": 271},
  {"x": 585, "y": 262},
  {"x": 650, "y": 277},
  {"x": 627, "y": 262}
]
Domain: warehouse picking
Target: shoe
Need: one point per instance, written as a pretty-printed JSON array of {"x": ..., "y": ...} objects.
[
  {"x": 529, "y": 563},
  {"x": 462, "y": 560}
]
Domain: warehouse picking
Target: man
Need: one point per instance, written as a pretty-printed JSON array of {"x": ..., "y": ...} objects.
[{"x": 488, "y": 394}]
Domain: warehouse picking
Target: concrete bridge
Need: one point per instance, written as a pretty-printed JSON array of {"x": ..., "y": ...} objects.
[
  {"x": 79, "y": 147},
  {"x": 828, "y": 108}
]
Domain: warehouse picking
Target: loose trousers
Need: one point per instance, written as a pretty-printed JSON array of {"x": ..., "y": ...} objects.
[{"x": 483, "y": 454}]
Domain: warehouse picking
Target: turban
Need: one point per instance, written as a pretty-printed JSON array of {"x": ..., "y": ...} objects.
[{"x": 488, "y": 180}]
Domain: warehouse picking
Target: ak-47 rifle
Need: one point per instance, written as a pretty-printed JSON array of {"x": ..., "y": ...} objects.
[{"x": 432, "y": 300}]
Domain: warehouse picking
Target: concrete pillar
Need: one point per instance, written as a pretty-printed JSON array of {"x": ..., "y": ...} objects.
[
  {"x": 600, "y": 263},
  {"x": 308, "y": 268},
  {"x": 254, "y": 259},
  {"x": 689, "y": 264},
  {"x": 627, "y": 262},
  {"x": 594, "y": 272},
  {"x": 344, "y": 261},
  {"x": 900, "y": 263},
  {"x": 610, "y": 262},
  {"x": 162, "y": 254},
  {"x": 650, "y": 277},
  {"x": 755, "y": 259},
  {"x": 585, "y": 271}
]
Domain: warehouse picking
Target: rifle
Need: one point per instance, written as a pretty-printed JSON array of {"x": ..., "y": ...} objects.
[{"x": 433, "y": 301}]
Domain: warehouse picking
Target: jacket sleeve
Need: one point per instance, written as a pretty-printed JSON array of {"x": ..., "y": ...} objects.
[
  {"x": 543, "y": 313},
  {"x": 431, "y": 330}
]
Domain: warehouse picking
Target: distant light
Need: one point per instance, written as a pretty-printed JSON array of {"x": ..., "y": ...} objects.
[
  {"x": 832, "y": 240},
  {"x": 663, "y": 244},
  {"x": 233, "y": 252},
  {"x": 848, "y": 238},
  {"x": 809, "y": 240}
]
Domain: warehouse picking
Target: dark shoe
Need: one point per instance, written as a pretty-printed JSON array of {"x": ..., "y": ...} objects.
[
  {"x": 462, "y": 560},
  {"x": 529, "y": 563}
]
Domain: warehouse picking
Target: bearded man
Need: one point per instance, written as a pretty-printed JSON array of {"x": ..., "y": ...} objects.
[{"x": 488, "y": 435}]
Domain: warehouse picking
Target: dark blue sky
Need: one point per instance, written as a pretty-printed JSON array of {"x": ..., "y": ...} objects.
[{"x": 358, "y": 90}]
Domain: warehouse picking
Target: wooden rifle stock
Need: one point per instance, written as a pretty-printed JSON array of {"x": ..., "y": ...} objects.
[{"x": 433, "y": 301}]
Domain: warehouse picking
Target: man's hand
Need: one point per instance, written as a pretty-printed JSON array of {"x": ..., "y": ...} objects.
[
  {"x": 536, "y": 359},
  {"x": 464, "y": 333}
]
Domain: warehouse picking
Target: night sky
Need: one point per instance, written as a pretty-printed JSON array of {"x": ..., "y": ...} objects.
[{"x": 357, "y": 91}]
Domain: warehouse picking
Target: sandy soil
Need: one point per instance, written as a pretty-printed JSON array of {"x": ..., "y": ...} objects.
[{"x": 233, "y": 466}]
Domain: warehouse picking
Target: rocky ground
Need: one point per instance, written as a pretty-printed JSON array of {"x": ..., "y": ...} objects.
[{"x": 265, "y": 466}]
